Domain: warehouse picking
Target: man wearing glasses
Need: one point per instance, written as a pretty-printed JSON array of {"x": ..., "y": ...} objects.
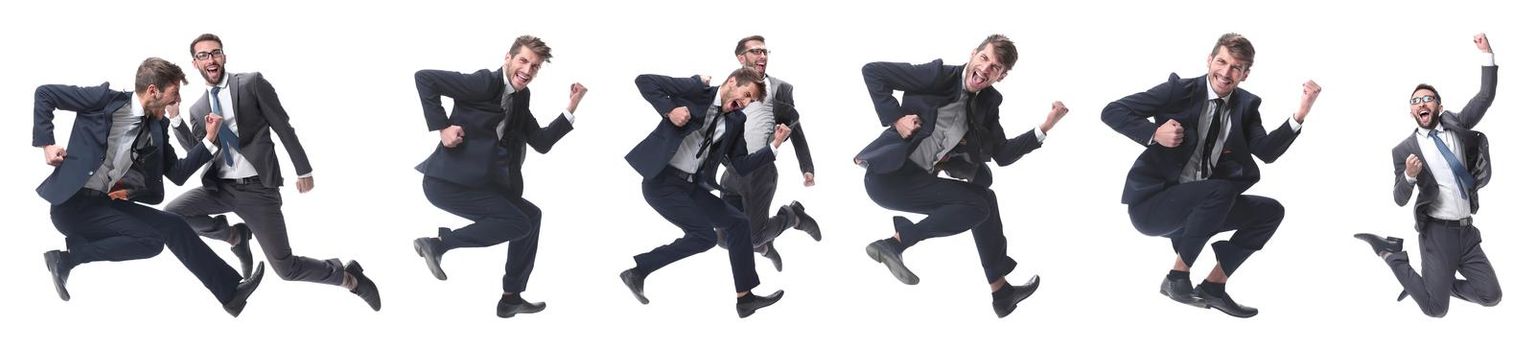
[
  {"x": 1199, "y": 136},
  {"x": 948, "y": 121},
  {"x": 753, "y": 193},
  {"x": 117, "y": 155},
  {"x": 244, "y": 176},
  {"x": 1447, "y": 162}
]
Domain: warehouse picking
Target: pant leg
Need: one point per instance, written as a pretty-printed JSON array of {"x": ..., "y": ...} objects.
[
  {"x": 1189, "y": 214},
  {"x": 1440, "y": 253},
  {"x": 496, "y": 218},
  {"x": 522, "y": 249},
  {"x": 197, "y": 204},
  {"x": 216, "y": 275},
  {"x": 764, "y": 229},
  {"x": 261, "y": 208},
  {"x": 1480, "y": 285},
  {"x": 96, "y": 229},
  {"x": 737, "y": 236},
  {"x": 697, "y": 212},
  {"x": 1255, "y": 219},
  {"x": 951, "y": 206},
  {"x": 992, "y": 244}
]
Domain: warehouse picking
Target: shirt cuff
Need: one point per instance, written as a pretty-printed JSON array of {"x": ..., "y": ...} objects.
[
  {"x": 1409, "y": 179},
  {"x": 175, "y": 122},
  {"x": 1039, "y": 133},
  {"x": 570, "y": 116},
  {"x": 212, "y": 147},
  {"x": 1294, "y": 124},
  {"x": 305, "y": 176},
  {"x": 1491, "y": 59}
]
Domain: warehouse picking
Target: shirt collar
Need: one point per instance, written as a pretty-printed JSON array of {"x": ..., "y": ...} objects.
[
  {"x": 1424, "y": 131},
  {"x": 223, "y": 83},
  {"x": 1209, "y": 87},
  {"x": 138, "y": 107},
  {"x": 507, "y": 81}
]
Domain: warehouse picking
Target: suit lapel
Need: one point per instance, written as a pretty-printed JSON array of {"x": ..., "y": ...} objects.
[{"x": 235, "y": 88}]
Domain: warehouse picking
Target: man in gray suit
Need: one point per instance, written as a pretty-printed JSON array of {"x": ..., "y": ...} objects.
[
  {"x": 753, "y": 193},
  {"x": 244, "y": 176},
  {"x": 1448, "y": 163}
]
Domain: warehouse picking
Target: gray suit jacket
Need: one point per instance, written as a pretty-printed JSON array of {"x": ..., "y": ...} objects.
[
  {"x": 1476, "y": 155},
  {"x": 258, "y": 113}
]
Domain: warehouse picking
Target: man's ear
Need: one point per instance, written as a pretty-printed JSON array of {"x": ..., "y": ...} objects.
[{"x": 1002, "y": 77}]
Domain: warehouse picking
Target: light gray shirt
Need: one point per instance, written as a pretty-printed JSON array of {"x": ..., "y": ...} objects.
[
  {"x": 1193, "y": 171},
  {"x": 952, "y": 124},
  {"x": 687, "y": 157},
  {"x": 126, "y": 122},
  {"x": 760, "y": 121}
]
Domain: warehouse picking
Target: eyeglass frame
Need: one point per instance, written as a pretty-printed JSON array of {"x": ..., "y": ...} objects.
[
  {"x": 1423, "y": 99},
  {"x": 207, "y": 55}
]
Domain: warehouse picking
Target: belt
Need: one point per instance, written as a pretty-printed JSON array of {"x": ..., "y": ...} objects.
[
  {"x": 243, "y": 181},
  {"x": 1452, "y": 223},
  {"x": 91, "y": 193},
  {"x": 678, "y": 173}
]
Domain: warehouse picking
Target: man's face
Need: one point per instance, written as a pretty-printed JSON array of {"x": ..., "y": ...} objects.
[
  {"x": 755, "y": 56},
  {"x": 984, "y": 69},
  {"x": 1425, "y": 107},
  {"x": 208, "y": 56},
  {"x": 737, "y": 97},
  {"x": 158, "y": 99},
  {"x": 522, "y": 67},
  {"x": 1225, "y": 72}
]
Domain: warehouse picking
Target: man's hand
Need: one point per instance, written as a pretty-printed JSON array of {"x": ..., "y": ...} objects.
[
  {"x": 452, "y": 136},
  {"x": 120, "y": 195},
  {"x": 173, "y": 110},
  {"x": 780, "y": 134},
  {"x": 211, "y": 124},
  {"x": 54, "y": 155},
  {"x": 305, "y": 184},
  {"x": 1307, "y": 98},
  {"x": 577, "y": 92},
  {"x": 679, "y": 116},
  {"x": 907, "y": 125},
  {"x": 704, "y": 78},
  {"x": 1482, "y": 43},
  {"x": 1413, "y": 166},
  {"x": 1169, "y": 134},
  {"x": 809, "y": 179},
  {"x": 1056, "y": 112}
]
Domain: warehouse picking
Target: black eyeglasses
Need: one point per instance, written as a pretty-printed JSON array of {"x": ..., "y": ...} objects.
[
  {"x": 1423, "y": 99},
  {"x": 759, "y": 51},
  {"x": 205, "y": 55}
]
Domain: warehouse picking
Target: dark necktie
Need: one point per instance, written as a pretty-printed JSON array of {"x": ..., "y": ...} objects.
[
  {"x": 226, "y": 137},
  {"x": 708, "y": 135},
  {"x": 1212, "y": 137},
  {"x": 1461, "y": 175}
]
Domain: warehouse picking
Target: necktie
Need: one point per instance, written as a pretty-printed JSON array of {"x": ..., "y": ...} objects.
[
  {"x": 226, "y": 137},
  {"x": 1212, "y": 137},
  {"x": 708, "y": 135},
  {"x": 1461, "y": 175},
  {"x": 506, "y": 105}
]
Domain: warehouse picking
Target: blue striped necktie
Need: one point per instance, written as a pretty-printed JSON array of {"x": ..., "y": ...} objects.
[{"x": 227, "y": 140}]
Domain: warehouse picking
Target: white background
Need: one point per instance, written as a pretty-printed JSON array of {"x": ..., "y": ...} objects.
[{"x": 344, "y": 73}]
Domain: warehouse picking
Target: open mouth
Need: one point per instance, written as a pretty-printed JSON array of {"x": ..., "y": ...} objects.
[
  {"x": 1423, "y": 114},
  {"x": 975, "y": 79},
  {"x": 523, "y": 78}
]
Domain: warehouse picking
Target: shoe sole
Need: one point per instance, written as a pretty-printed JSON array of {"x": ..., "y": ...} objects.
[
  {"x": 894, "y": 268},
  {"x": 58, "y": 285},
  {"x": 436, "y": 269},
  {"x": 637, "y": 294},
  {"x": 1034, "y": 282}
]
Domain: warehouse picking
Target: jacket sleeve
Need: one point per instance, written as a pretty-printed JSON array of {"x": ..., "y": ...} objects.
[
  {"x": 883, "y": 78},
  {"x": 1131, "y": 115},
  {"x": 277, "y": 118},
  {"x": 49, "y": 98}
]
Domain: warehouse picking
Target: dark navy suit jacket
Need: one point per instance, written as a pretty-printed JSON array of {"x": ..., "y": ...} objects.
[
  {"x": 482, "y": 160},
  {"x": 653, "y": 154}
]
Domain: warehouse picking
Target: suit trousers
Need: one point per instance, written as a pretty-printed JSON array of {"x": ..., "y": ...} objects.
[
  {"x": 951, "y": 206},
  {"x": 261, "y": 209},
  {"x": 1190, "y": 214},
  {"x": 96, "y": 228},
  {"x": 752, "y": 194},
  {"x": 1448, "y": 248},
  {"x": 498, "y": 217},
  {"x": 696, "y": 210}
]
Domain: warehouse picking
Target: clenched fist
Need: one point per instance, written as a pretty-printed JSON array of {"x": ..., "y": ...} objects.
[{"x": 1169, "y": 134}]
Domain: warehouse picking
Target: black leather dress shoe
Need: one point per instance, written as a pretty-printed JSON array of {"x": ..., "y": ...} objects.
[
  {"x": 884, "y": 251},
  {"x": 1005, "y": 304},
  {"x": 59, "y": 269},
  {"x": 505, "y": 309},
  {"x": 805, "y": 222},
  {"x": 242, "y": 250},
  {"x": 242, "y": 291},
  {"x": 1224, "y": 304},
  {"x": 1180, "y": 290},
  {"x": 1380, "y": 245},
  {"x": 747, "y": 305},
  {"x": 772, "y": 255},
  {"x": 430, "y": 248},
  {"x": 365, "y": 289},
  {"x": 635, "y": 282}
]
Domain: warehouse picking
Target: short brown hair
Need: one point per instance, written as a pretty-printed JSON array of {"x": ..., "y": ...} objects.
[
  {"x": 740, "y": 46},
  {"x": 192, "y": 48},
  {"x": 749, "y": 75},
  {"x": 1427, "y": 87},
  {"x": 1239, "y": 47},
  {"x": 158, "y": 72},
  {"x": 535, "y": 44},
  {"x": 1005, "y": 49}
]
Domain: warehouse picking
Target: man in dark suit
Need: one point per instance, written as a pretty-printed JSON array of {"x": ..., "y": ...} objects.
[
  {"x": 1188, "y": 184},
  {"x": 679, "y": 161},
  {"x": 948, "y": 121},
  {"x": 117, "y": 155},
  {"x": 753, "y": 194},
  {"x": 244, "y": 177},
  {"x": 476, "y": 171},
  {"x": 1447, "y": 163}
]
